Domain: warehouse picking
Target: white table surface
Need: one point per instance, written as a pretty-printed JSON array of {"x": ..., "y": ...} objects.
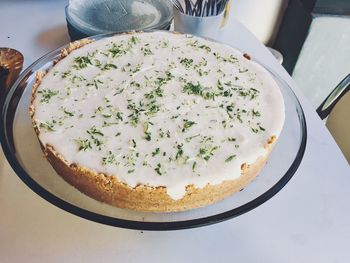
[{"x": 307, "y": 221}]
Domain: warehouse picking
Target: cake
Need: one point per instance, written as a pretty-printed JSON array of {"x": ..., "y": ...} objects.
[{"x": 156, "y": 121}]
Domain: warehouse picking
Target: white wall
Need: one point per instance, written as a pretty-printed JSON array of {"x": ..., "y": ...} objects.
[{"x": 262, "y": 17}]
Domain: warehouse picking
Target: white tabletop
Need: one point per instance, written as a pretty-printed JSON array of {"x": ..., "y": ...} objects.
[{"x": 307, "y": 221}]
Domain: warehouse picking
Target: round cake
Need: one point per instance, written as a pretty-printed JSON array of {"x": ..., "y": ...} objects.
[{"x": 156, "y": 121}]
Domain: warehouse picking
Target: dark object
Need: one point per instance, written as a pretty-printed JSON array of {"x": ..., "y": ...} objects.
[
  {"x": 339, "y": 91},
  {"x": 292, "y": 33},
  {"x": 308, "y": 4},
  {"x": 332, "y": 7}
]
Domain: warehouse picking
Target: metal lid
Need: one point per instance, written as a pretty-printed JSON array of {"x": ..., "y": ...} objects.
[{"x": 94, "y": 17}]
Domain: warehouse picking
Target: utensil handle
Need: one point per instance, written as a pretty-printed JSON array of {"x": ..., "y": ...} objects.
[
  {"x": 328, "y": 104},
  {"x": 226, "y": 13}
]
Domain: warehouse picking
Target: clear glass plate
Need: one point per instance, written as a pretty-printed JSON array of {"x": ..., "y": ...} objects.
[{"x": 24, "y": 154}]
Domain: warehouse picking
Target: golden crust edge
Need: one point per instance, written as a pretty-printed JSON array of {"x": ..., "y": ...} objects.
[{"x": 108, "y": 189}]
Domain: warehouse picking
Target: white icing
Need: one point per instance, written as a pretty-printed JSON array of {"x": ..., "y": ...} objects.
[{"x": 93, "y": 87}]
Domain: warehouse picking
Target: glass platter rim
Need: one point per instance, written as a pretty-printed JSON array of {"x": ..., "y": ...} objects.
[{"x": 10, "y": 153}]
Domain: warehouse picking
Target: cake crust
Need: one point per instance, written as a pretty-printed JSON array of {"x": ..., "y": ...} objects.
[{"x": 108, "y": 189}]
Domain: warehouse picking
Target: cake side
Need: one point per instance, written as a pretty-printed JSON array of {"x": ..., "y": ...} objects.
[{"x": 110, "y": 190}]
